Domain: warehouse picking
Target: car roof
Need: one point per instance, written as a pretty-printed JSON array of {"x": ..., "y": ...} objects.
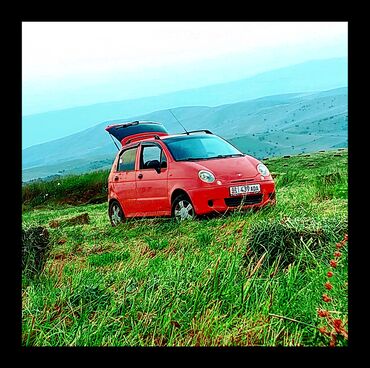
[
  {"x": 183, "y": 135},
  {"x": 162, "y": 138},
  {"x": 201, "y": 133}
]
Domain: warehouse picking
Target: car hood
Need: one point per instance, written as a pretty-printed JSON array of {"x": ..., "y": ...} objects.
[{"x": 231, "y": 168}]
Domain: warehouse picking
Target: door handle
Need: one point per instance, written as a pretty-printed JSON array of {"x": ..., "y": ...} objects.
[
  {"x": 116, "y": 178},
  {"x": 140, "y": 176}
]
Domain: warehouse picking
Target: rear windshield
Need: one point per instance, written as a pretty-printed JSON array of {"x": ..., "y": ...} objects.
[
  {"x": 123, "y": 131},
  {"x": 200, "y": 147}
]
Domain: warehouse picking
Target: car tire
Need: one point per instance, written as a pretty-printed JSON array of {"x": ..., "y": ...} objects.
[
  {"x": 182, "y": 208},
  {"x": 115, "y": 213}
]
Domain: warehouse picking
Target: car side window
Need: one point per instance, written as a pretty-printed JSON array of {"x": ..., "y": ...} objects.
[
  {"x": 126, "y": 161},
  {"x": 152, "y": 155}
]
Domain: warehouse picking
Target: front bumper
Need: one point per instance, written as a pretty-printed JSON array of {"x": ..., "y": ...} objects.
[{"x": 217, "y": 198}]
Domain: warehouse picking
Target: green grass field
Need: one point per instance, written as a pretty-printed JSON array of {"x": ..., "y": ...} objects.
[{"x": 245, "y": 278}]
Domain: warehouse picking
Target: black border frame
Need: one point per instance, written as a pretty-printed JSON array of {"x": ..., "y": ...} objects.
[{"x": 354, "y": 235}]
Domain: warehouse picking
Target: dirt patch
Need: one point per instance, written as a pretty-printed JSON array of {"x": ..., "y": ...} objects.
[
  {"x": 170, "y": 250},
  {"x": 54, "y": 224},
  {"x": 146, "y": 251},
  {"x": 160, "y": 341},
  {"x": 60, "y": 256},
  {"x": 77, "y": 220},
  {"x": 93, "y": 195},
  {"x": 96, "y": 249}
]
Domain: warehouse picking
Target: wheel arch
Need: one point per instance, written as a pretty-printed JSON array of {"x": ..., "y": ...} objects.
[
  {"x": 177, "y": 192},
  {"x": 113, "y": 202},
  {"x": 113, "y": 199}
]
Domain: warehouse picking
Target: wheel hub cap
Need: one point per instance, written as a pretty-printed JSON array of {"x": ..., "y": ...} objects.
[
  {"x": 116, "y": 218},
  {"x": 184, "y": 210}
]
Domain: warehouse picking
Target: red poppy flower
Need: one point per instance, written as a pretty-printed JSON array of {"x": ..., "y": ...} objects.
[
  {"x": 322, "y": 330},
  {"x": 337, "y": 254},
  {"x": 337, "y": 325},
  {"x": 322, "y": 313},
  {"x": 326, "y": 298},
  {"x": 328, "y": 285},
  {"x": 333, "y": 263},
  {"x": 330, "y": 274}
]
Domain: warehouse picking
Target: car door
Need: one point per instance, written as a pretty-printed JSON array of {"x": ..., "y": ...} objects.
[
  {"x": 124, "y": 181},
  {"x": 151, "y": 184}
]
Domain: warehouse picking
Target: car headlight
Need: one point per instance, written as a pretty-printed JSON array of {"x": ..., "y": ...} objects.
[
  {"x": 263, "y": 170},
  {"x": 206, "y": 176}
]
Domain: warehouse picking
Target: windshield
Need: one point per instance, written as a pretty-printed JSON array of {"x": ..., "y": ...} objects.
[{"x": 204, "y": 147}]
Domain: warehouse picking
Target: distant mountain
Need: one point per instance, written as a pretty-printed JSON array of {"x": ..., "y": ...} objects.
[
  {"x": 268, "y": 126},
  {"x": 311, "y": 76}
]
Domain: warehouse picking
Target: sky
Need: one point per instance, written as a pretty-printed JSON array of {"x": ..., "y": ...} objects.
[{"x": 69, "y": 64}]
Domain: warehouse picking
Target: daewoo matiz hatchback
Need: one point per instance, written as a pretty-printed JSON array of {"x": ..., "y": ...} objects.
[{"x": 181, "y": 175}]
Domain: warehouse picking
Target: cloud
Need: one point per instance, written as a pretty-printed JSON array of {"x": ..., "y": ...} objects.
[
  {"x": 58, "y": 49},
  {"x": 68, "y": 64}
]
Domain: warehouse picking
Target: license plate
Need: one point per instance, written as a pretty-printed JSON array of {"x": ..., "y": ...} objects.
[{"x": 245, "y": 189}]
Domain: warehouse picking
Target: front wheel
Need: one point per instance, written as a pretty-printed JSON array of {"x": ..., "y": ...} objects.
[
  {"x": 182, "y": 208},
  {"x": 115, "y": 213}
]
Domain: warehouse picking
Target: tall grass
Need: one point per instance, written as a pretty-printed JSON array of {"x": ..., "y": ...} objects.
[
  {"x": 247, "y": 278},
  {"x": 71, "y": 189}
]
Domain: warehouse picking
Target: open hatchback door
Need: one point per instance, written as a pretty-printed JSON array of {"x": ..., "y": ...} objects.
[{"x": 129, "y": 132}]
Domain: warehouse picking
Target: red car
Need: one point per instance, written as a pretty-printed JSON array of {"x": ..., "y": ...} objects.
[{"x": 182, "y": 175}]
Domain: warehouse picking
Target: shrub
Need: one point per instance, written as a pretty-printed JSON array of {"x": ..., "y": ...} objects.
[
  {"x": 35, "y": 250},
  {"x": 285, "y": 238}
]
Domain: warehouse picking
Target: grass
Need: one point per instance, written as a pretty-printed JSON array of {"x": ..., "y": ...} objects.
[
  {"x": 247, "y": 278},
  {"x": 70, "y": 189}
]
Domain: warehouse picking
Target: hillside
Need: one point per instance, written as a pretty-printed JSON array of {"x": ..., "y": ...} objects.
[
  {"x": 242, "y": 279},
  {"x": 264, "y": 127},
  {"x": 316, "y": 75}
]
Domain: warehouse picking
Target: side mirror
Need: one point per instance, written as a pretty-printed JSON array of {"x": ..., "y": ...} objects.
[
  {"x": 155, "y": 164},
  {"x": 162, "y": 165}
]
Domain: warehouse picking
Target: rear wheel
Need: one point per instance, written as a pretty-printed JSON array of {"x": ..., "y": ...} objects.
[
  {"x": 182, "y": 208},
  {"x": 115, "y": 212}
]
